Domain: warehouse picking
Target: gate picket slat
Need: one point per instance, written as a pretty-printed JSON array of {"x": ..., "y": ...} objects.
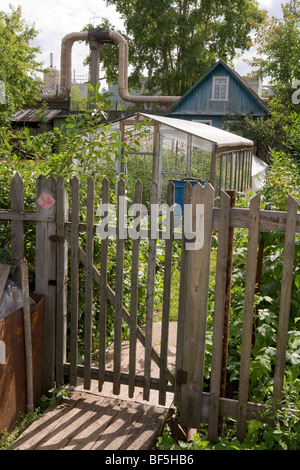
[
  {"x": 89, "y": 283},
  {"x": 103, "y": 284},
  {"x": 134, "y": 297},
  {"x": 119, "y": 287},
  {"x": 74, "y": 282},
  {"x": 248, "y": 315},
  {"x": 285, "y": 299},
  {"x": 62, "y": 273},
  {"x": 220, "y": 289},
  {"x": 196, "y": 307},
  {"x": 187, "y": 194},
  {"x": 150, "y": 292},
  {"x": 166, "y": 300}
]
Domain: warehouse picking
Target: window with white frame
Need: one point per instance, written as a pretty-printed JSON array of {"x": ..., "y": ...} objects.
[{"x": 220, "y": 88}]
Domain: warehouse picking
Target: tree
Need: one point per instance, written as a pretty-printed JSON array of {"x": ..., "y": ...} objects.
[
  {"x": 173, "y": 43},
  {"x": 278, "y": 48},
  {"x": 18, "y": 66},
  {"x": 278, "y": 57}
]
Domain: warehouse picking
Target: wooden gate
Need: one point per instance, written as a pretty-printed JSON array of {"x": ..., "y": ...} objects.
[
  {"x": 66, "y": 260},
  {"x": 68, "y": 234}
]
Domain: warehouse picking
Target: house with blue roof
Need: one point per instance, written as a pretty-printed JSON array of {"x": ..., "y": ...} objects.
[{"x": 221, "y": 92}]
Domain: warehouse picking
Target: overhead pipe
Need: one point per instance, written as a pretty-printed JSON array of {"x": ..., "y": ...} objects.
[
  {"x": 123, "y": 76},
  {"x": 66, "y": 61},
  {"x": 100, "y": 37}
]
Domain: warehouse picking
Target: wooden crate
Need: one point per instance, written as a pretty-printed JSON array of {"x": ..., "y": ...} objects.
[{"x": 13, "y": 372}]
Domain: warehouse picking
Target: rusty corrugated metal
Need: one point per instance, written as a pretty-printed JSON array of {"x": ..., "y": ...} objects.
[
  {"x": 31, "y": 115},
  {"x": 13, "y": 373}
]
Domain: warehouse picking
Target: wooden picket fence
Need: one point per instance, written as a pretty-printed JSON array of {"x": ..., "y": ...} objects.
[{"x": 58, "y": 254}]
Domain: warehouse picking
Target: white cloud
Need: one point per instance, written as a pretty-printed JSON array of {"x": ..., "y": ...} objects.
[{"x": 55, "y": 19}]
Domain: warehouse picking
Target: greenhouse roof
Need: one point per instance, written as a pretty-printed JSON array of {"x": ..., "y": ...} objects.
[{"x": 222, "y": 139}]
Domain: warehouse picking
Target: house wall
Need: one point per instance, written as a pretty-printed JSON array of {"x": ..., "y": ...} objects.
[{"x": 198, "y": 105}]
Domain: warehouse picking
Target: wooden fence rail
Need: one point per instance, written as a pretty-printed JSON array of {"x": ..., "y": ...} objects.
[{"x": 59, "y": 254}]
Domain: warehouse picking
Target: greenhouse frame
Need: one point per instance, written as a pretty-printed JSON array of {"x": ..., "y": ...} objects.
[{"x": 179, "y": 150}]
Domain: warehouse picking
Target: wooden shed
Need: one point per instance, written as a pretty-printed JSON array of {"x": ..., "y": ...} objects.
[{"x": 180, "y": 150}]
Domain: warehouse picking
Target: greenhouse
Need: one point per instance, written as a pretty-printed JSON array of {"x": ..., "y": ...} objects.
[{"x": 178, "y": 150}]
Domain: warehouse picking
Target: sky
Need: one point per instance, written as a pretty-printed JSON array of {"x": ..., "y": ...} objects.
[{"x": 57, "y": 18}]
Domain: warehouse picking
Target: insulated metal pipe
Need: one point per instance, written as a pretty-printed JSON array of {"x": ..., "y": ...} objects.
[
  {"x": 103, "y": 37},
  {"x": 66, "y": 61},
  {"x": 123, "y": 76}
]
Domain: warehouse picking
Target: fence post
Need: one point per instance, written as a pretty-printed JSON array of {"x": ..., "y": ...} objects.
[
  {"x": 187, "y": 194},
  {"x": 285, "y": 297},
  {"x": 222, "y": 281},
  {"x": 248, "y": 316},
  {"x": 62, "y": 273},
  {"x": 45, "y": 273},
  {"x": 17, "y": 227},
  {"x": 198, "y": 270}
]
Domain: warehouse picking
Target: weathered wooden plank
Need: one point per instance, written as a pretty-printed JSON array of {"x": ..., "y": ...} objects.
[
  {"x": 187, "y": 195},
  {"x": 122, "y": 426},
  {"x": 4, "y": 273},
  {"x": 17, "y": 227},
  {"x": 27, "y": 336},
  {"x": 134, "y": 295},
  {"x": 103, "y": 284},
  {"x": 268, "y": 221},
  {"x": 62, "y": 273},
  {"x": 41, "y": 428},
  {"x": 26, "y": 217},
  {"x": 45, "y": 276},
  {"x": 74, "y": 281},
  {"x": 248, "y": 315},
  {"x": 89, "y": 283},
  {"x": 220, "y": 292},
  {"x": 147, "y": 428},
  {"x": 119, "y": 284},
  {"x": 232, "y": 194},
  {"x": 150, "y": 290},
  {"x": 74, "y": 426},
  {"x": 198, "y": 268},
  {"x": 166, "y": 298},
  {"x": 285, "y": 298},
  {"x": 99, "y": 416},
  {"x": 124, "y": 377}
]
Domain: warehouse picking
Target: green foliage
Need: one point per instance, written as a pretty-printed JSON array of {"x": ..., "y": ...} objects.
[
  {"x": 175, "y": 43},
  {"x": 277, "y": 42},
  {"x": 282, "y": 432},
  {"x": 57, "y": 395},
  {"x": 80, "y": 100},
  {"x": 18, "y": 65},
  {"x": 274, "y": 38},
  {"x": 283, "y": 180},
  {"x": 25, "y": 420}
]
